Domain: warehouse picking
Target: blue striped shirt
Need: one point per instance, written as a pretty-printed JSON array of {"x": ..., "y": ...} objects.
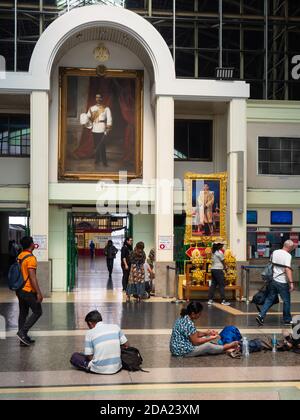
[{"x": 104, "y": 343}]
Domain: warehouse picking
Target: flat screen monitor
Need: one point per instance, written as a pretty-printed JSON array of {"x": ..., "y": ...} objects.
[
  {"x": 281, "y": 217},
  {"x": 252, "y": 217}
]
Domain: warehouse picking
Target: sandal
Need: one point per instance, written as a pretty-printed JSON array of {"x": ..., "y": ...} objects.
[{"x": 235, "y": 354}]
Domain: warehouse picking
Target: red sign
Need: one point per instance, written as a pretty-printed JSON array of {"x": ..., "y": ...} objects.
[
  {"x": 295, "y": 238},
  {"x": 190, "y": 251}
]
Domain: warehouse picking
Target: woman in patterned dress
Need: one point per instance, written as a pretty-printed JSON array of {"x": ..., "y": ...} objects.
[
  {"x": 136, "y": 282},
  {"x": 186, "y": 341}
]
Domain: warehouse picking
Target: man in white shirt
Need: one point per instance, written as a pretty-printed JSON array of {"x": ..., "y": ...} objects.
[
  {"x": 103, "y": 344},
  {"x": 282, "y": 283},
  {"x": 99, "y": 120}
]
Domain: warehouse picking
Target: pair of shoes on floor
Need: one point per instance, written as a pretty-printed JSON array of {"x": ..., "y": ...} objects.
[
  {"x": 224, "y": 303},
  {"x": 235, "y": 353},
  {"x": 25, "y": 340}
]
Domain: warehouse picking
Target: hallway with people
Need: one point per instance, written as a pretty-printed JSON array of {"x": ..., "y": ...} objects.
[{"x": 43, "y": 371}]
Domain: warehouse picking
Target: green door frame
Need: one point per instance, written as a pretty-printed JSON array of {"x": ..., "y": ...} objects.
[{"x": 72, "y": 254}]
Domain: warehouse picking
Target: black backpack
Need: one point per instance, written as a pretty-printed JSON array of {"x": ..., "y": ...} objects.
[{"x": 131, "y": 359}]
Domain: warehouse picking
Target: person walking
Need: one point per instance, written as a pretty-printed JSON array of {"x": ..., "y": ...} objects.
[
  {"x": 282, "y": 283},
  {"x": 92, "y": 249},
  {"x": 136, "y": 281},
  {"x": 125, "y": 261},
  {"x": 217, "y": 275},
  {"x": 110, "y": 251},
  {"x": 30, "y": 296}
]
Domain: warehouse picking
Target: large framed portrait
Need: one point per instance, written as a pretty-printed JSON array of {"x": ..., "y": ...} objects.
[
  {"x": 100, "y": 114},
  {"x": 206, "y": 208}
]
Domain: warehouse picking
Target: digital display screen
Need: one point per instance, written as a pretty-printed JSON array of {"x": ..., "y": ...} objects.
[
  {"x": 252, "y": 217},
  {"x": 281, "y": 217}
]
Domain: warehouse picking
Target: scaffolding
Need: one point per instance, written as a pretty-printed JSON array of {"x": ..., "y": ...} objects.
[{"x": 258, "y": 38}]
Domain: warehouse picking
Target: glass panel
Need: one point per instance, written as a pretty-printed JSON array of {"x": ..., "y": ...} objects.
[
  {"x": 275, "y": 155},
  {"x": 200, "y": 140},
  {"x": 285, "y": 156},
  {"x": 274, "y": 143},
  {"x": 296, "y": 168},
  {"x": 263, "y": 168},
  {"x": 286, "y": 169},
  {"x": 264, "y": 155},
  {"x": 263, "y": 142},
  {"x": 15, "y": 133},
  {"x": 274, "y": 169},
  {"x": 181, "y": 140}
]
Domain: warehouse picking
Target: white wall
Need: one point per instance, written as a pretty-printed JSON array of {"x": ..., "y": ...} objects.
[
  {"x": 254, "y": 130},
  {"x": 143, "y": 230},
  {"x": 58, "y": 247},
  {"x": 120, "y": 58},
  {"x": 14, "y": 171}
]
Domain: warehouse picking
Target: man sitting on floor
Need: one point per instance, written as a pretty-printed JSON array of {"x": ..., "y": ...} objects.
[{"x": 103, "y": 344}]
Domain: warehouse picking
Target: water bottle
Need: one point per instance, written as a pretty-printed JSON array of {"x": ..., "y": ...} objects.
[
  {"x": 245, "y": 347},
  {"x": 274, "y": 344}
]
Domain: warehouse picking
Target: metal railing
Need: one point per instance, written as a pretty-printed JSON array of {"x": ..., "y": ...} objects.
[{"x": 67, "y": 5}]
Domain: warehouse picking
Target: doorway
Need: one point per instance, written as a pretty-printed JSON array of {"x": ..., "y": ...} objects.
[
  {"x": 88, "y": 234},
  {"x": 14, "y": 224}
]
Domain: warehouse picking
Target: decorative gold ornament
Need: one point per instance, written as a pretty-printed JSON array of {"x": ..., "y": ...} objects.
[
  {"x": 101, "y": 71},
  {"x": 230, "y": 270},
  {"x": 198, "y": 274},
  {"x": 101, "y": 53}
]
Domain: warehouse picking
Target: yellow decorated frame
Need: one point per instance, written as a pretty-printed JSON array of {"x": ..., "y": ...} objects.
[{"x": 191, "y": 235}]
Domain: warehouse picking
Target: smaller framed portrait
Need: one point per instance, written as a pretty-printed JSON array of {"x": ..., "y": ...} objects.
[{"x": 205, "y": 207}]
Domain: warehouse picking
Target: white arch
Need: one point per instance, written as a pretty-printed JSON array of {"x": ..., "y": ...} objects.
[{"x": 81, "y": 18}]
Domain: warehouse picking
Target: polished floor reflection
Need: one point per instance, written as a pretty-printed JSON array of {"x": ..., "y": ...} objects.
[
  {"x": 43, "y": 370},
  {"x": 93, "y": 274}
]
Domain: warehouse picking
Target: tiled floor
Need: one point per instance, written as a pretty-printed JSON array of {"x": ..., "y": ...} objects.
[{"x": 43, "y": 370}]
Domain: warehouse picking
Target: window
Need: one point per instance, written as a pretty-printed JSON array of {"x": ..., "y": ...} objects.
[
  {"x": 278, "y": 156},
  {"x": 14, "y": 135},
  {"x": 193, "y": 140}
]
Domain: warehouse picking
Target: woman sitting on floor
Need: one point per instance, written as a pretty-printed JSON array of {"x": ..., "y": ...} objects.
[{"x": 186, "y": 341}]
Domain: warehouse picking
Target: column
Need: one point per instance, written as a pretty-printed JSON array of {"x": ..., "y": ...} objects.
[
  {"x": 39, "y": 203},
  {"x": 164, "y": 283},
  {"x": 237, "y": 178}
]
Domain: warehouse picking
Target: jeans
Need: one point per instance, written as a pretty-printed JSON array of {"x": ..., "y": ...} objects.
[
  {"x": 110, "y": 265},
  {"x": 125, "y": 277},
  {"x": 283, "y": 290},
  {"x": 217, "y": 280},
  {"x": 80, "y": 361},
  {"x": 28, "y": 300},
  {"x": 100, "y": 147}
]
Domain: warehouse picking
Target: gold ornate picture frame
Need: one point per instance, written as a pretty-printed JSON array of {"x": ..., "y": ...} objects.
[
  {"x": 205, "y": 207},
  {"x": 80, "y": 157}
]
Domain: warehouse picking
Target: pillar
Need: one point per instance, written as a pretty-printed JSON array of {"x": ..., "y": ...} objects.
[
  {"x": 237, "y": 178},
  {"x": 164, "y": 230},
  {"x": 39, "y": 202}
]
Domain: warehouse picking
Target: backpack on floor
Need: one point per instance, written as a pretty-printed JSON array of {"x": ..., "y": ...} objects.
[
  {"x": 15, "y": 276},
  {"x": 131, "y": 359},
  {"x": 230, "y": 334}
]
